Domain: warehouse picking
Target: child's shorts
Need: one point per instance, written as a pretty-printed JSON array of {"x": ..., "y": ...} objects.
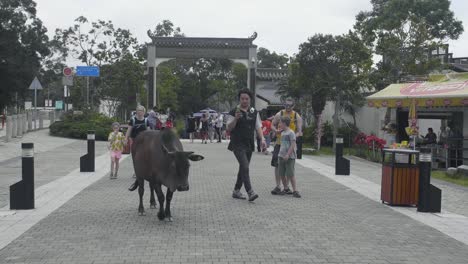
[
  {"x": 286, "y": 167},
  {"x": 116, "y": 154}
]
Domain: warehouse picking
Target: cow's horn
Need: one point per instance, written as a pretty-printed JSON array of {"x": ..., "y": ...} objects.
[{"x": 167, "y": 151}]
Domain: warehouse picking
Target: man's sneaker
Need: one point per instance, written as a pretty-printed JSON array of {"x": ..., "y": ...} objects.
[
  {"x": 287, "y": 191},
  {"x": 277, "y": 191},
  {"x": 236, "y": 194},
  {"x": 296, "y": 194},
  {"x": 252, "y": 196}
]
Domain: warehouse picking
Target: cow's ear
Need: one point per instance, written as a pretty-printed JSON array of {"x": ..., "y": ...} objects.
[{"x": 195, "y": 157}]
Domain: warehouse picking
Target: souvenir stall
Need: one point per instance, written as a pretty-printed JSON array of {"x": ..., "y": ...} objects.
[{"x": 444, "y": 101}]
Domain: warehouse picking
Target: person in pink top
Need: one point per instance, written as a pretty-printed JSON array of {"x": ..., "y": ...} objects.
[{"x": 116, "y": 144}]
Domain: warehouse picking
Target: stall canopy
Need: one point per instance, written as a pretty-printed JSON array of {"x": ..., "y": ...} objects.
[{"x": 448, "y": 90}]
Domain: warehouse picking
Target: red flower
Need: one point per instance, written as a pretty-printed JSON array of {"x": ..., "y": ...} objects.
[
  {"x": 360, "y": 139},
  {"x": 375, "y": 142}
]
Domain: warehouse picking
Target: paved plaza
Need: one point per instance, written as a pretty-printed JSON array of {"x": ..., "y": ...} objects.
[{"x": 335, "y": 221}]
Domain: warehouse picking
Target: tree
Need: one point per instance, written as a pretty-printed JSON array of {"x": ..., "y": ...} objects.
[
  {"x": 267, "y": 59},
  {"x": 165, "y": 29},
  {"x": 328, "y": 68},
  {"x": 120, "y": 84},
  {"x": 404, "y": 32},
  {"x": 97, "y": 43},
  {"x": 23, "y": 44},
  {"x": 168, "y": 88}
]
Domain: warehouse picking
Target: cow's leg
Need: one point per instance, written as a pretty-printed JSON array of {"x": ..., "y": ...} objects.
[
  {"x": 152, "y": 200},
  {"x": 141, "y": 191},
  {"x": 160, "y": 194},
  {"x": 168, "y": 205}
]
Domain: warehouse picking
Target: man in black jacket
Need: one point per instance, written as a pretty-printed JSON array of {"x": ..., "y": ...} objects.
[{"x": 242, "y": 123}]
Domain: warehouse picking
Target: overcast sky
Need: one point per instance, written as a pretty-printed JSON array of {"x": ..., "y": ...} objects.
[{"x": 281, "y": 25}]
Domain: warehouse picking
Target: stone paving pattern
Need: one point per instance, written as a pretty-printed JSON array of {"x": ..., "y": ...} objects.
[
  {"x": 330, "y": 224},
  {"x": 49, "y": 165}
]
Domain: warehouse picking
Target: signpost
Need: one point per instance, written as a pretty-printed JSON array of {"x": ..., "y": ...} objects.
[
  {"x": 67, "y": 80},
  {"x": 87, "y": 71},
  {"x": 67, "y": 71},
  {"x": 59, "y": 105},
  {"x": 35, "y": 85}
]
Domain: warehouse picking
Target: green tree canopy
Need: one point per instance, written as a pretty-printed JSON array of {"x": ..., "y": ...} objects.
[
  {"x": 97, "y": 42},
  {"x": 267, "y": 59},
  {"x": 23, "y": 45},
  {"x": 404, "y": 32}
]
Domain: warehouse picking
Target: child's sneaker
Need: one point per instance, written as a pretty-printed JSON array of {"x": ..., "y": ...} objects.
[
  {"x": 287, "y": 191},
  {"x": 252, "y": 196},
  {"x": 236, "y": 194},
  {"x": 296, "y": 194},
  {"x": 277, "y": 191}
]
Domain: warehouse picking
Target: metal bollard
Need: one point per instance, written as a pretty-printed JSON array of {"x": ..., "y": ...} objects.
[
  {"x": 20, "y": 125},
  {"x": 429, "y": 196},
  {"x": 41, "y": 120},
  {"x": 14, "y": 127},
  {"x": 25, "y": 123},
  {"x": 9, "y": 128},
  {"x": 341, "y": 164},
  {"x": 34, "y": 116},
  {"x": 87, "y": 161},
  {"x": 29, "y": 117},
  {"x": 22, "y": 192}
]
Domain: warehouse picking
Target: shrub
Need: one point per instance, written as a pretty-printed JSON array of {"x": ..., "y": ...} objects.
[
  {"x": 348, "y": 132},
  {"x": 78, "y": 125}
]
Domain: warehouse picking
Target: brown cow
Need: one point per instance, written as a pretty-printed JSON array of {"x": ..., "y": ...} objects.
[{"x": 159, "y": 158}]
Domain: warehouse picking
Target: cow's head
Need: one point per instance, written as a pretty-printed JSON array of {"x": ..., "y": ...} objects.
[{"x": 179, "y": 168}]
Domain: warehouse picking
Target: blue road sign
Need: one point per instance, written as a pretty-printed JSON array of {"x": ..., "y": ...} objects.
[{"x": 89, "y": 71}]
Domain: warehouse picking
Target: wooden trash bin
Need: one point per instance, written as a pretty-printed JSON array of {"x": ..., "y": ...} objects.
[{"x": 400, "y": 177}]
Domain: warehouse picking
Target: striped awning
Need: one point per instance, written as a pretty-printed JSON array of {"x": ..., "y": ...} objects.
[{"x": 452, "y": 90}]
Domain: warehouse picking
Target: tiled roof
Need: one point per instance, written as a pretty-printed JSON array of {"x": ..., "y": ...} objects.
[
  {"x": 267, "y": 91},
  {"x": 460, "y": 67},
  {"x": 271, "y": 74},
  {"x": 203, "y": 42}
]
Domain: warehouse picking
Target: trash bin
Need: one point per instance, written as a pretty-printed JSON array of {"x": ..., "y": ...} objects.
[{"x": 400, "y": 177}]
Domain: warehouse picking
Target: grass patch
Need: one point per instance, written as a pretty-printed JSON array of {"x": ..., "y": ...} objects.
[
  {"x": 455, "y": 179},
  {"x": 326, "y": 151}
]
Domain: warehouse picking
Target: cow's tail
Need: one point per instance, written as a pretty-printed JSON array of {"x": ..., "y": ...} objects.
[{"x": 134, "y": 186}]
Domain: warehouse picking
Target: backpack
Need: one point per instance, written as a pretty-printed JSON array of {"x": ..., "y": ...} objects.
[
  {"x": 146, "y": 122},
  {"x": 295, "y": 117}
]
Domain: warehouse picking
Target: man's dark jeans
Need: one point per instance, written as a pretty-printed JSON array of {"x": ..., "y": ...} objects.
[{"x": 243, "y": 177}]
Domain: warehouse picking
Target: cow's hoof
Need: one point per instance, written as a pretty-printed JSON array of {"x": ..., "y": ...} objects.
[
  {"x": 169, "y": 219},
  {"x": 161, "y": 216},
  {"x": 152, "y": 206},
  {"x": 141, "y": 213}
]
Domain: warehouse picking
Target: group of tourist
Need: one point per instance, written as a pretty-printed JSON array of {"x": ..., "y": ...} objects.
[
  {"x": 210, "y": 126},
  {"x": 243, "y": 123}
]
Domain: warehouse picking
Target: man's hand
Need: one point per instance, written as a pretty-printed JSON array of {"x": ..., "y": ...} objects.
[
  {"x": 264, "y": 145},
  {"x": 286, "y": 157}
]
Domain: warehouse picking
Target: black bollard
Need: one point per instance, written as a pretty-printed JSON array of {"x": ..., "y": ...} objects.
[
  {"x": 87, "y": 161},
  {"x": 429, "y": 196},
  {"x": 22, "y": 192},
  {"x": 341, "y": 164}
]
